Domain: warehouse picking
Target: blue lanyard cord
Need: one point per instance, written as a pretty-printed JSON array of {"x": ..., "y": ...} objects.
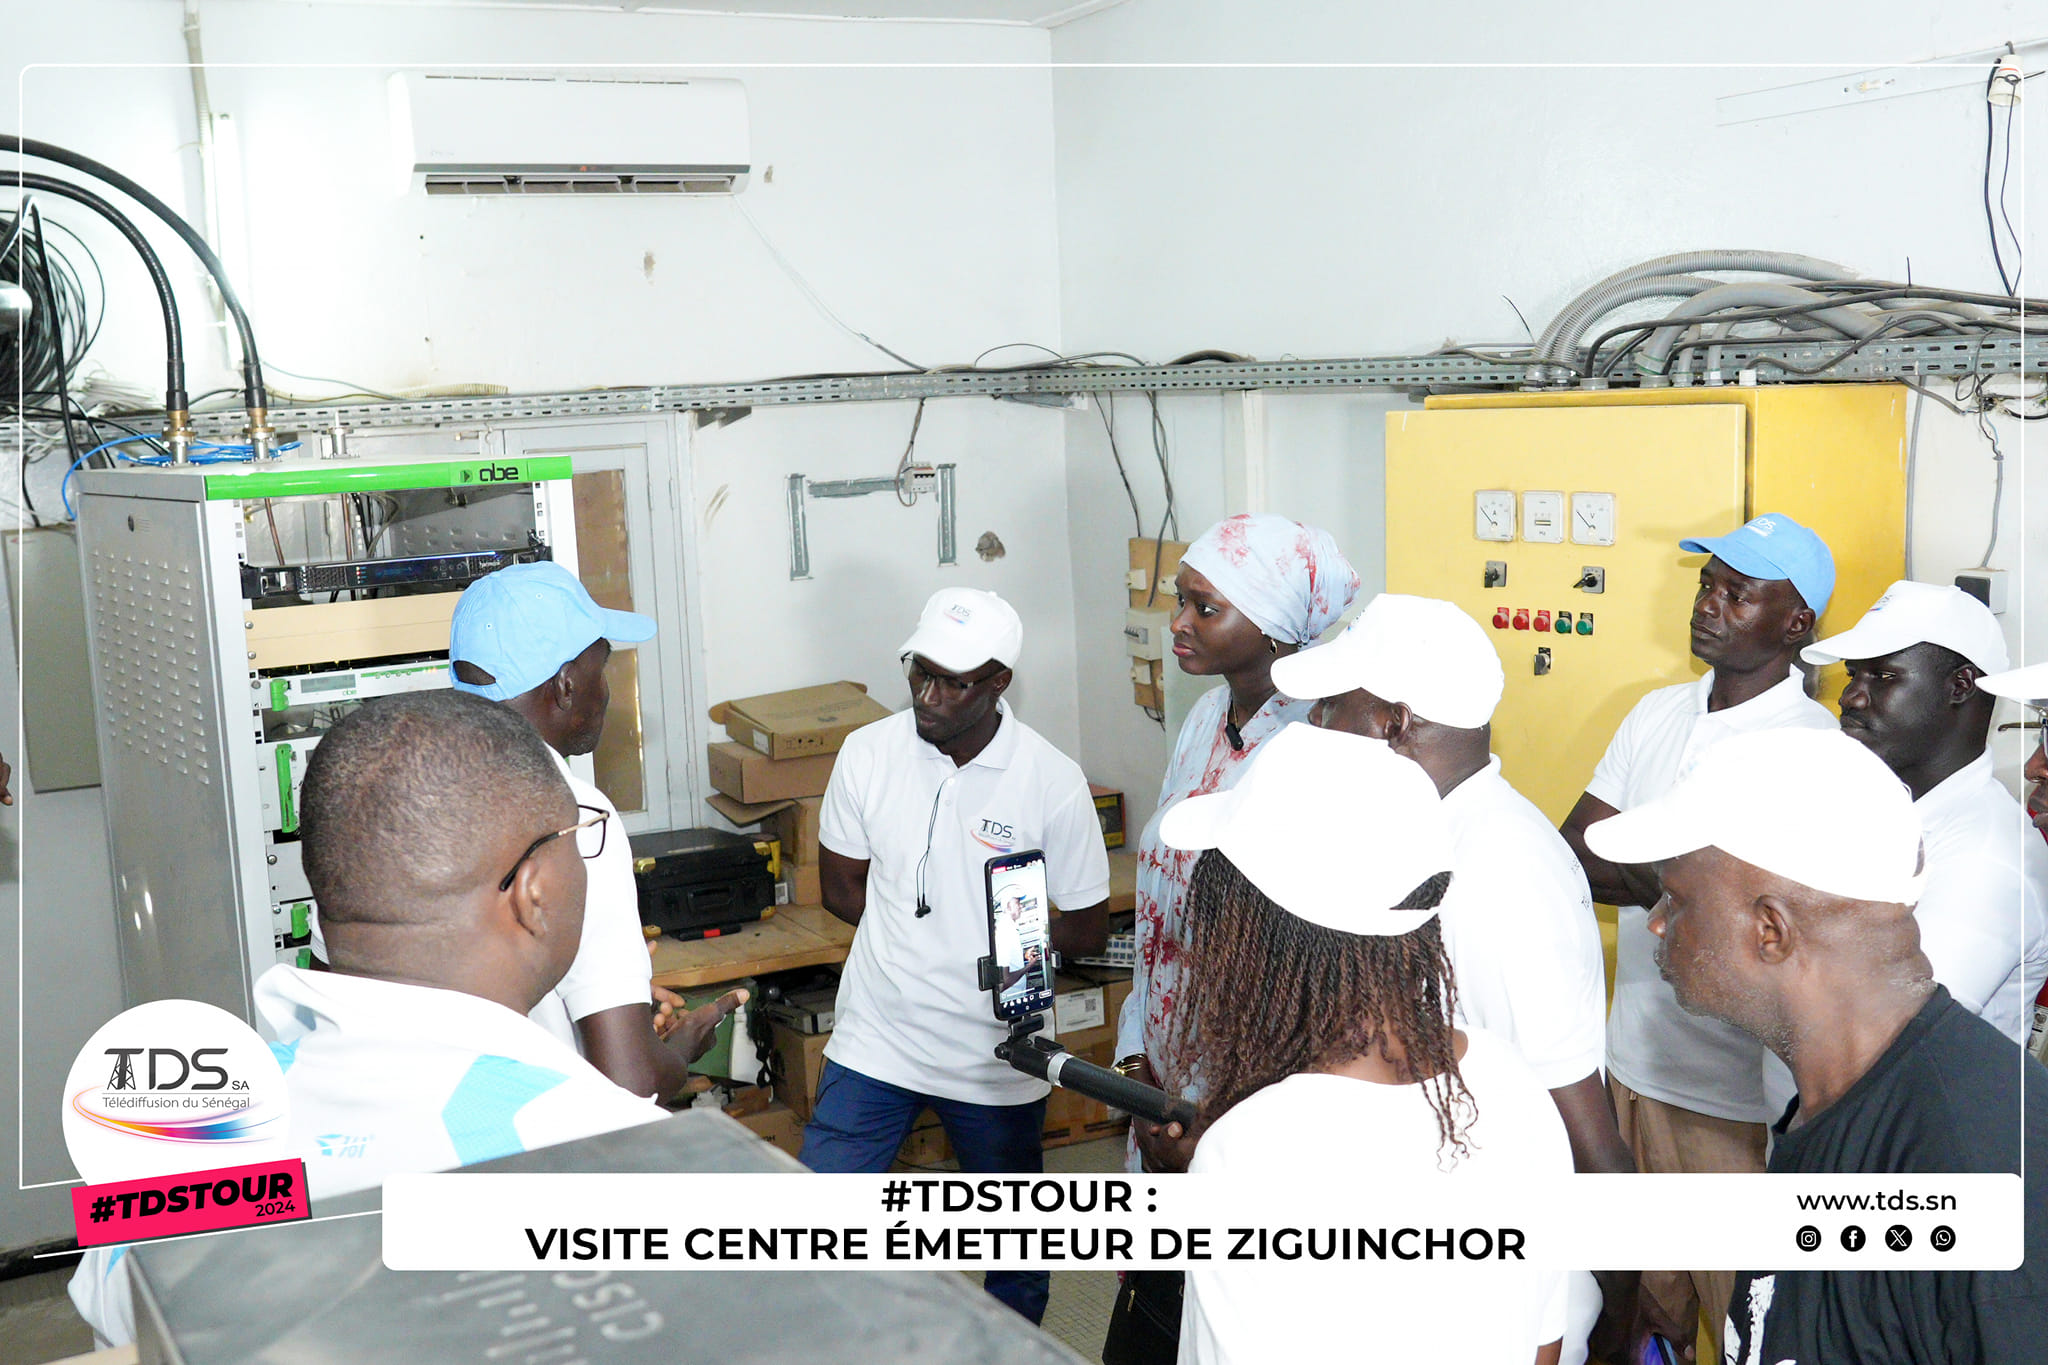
[{"x": 204, "y": 452}]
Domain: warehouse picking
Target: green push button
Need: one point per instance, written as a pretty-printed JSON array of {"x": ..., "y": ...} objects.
[
  {"x": 1564, "y": 623},
  {"x": 1586, "y": 623}
]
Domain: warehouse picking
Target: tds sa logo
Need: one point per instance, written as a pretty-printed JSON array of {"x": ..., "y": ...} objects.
[
  {"x": 123, "y": 1075},
  {"x": 996, "y": 834},
  {"x": 174, "y": 1085}
]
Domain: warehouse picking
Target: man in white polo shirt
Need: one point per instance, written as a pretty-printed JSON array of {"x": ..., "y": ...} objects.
[
  {"x": 1518, "y": 921},
  {"x": 1914, "y": 700},
  {"x": 917, "y": 805},
  {"x": 532, "y": 638},
  {"x": 1688, "y": 1090},
  {"x": 2028, "y": 686}
]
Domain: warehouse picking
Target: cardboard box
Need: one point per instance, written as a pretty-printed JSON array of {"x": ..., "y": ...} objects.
[
  {"x": 753, "y": 778},
  {"x": 1076, "y": 1007},
  {"x": 796, "y": 826},
  {"x": 792, "y": 823},
  {"x": 801, "y": 1058},
  {"x": 801, "y": 723},
  {"x": 778, "y": 1124},
  {"x": 804, "y": 886}
]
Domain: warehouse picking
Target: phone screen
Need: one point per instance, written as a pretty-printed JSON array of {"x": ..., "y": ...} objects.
[{"x": 1020, "y": 934}]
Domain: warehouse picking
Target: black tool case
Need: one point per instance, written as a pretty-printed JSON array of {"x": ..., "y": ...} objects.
[{"x": 696, "y": 882}]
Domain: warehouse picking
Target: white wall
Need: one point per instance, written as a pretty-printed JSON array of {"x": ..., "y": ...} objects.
[
  {"x": 917, "y": 200},
  {"x": 1380, "y": 210}
]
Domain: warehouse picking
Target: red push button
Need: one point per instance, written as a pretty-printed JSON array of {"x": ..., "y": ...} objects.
[
  {"x": 1500, "y": 618},
  {"x": 1521, "y": 618},
  {"x": 1543, "y": 620}
]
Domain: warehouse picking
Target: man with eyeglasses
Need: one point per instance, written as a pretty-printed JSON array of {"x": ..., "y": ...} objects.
[
  {"x": 531, "y": 637},
  {"x": 442, "y": 843},
  {"x": 917, "y": 805},
  {"x": 2029, "y": 687}
]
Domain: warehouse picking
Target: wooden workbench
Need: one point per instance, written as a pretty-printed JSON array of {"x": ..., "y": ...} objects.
[{"x": 806, "y": 936}]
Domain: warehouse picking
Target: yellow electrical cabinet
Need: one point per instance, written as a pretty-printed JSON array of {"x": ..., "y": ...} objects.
[{"x": 1554, "y": 519}]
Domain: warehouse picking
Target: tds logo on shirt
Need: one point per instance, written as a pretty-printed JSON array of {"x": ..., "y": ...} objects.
[{"x": 996, "y": 834}]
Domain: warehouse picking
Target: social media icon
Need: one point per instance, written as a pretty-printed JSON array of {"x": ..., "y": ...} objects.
[
  {"x": 1853, "y": 1238},
  {"x": 1809, "y": 1238},
  {"x": 1942, "y": 1238},
  {"x": 1898, "y": 1237}
]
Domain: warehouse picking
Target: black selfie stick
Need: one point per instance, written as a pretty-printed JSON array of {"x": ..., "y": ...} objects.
[{"x": 1034, "y": 1055}]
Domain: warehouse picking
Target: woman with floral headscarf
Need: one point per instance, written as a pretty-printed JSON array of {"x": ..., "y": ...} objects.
[{"x": 1252, "y": 589}]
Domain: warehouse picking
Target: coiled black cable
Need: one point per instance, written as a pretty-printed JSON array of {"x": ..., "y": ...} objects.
[
  {"x": 175, "y": 399},
  {"x": 254, "y": 395}
]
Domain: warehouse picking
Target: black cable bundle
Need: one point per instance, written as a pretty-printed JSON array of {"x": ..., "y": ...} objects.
[{"x": 48, "y": 349}]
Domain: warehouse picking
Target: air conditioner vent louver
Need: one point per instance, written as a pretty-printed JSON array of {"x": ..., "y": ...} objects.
[
  {"x": 506, "y": 182},
  {"x": 561, "y": 134}
]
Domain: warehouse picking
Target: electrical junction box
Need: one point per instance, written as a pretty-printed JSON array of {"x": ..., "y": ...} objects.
[
  {"x": 1986, "y": 585},
  {"x": 1146, "y": 633}
]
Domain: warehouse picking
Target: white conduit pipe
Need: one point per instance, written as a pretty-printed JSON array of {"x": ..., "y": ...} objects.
[
  {"x": 1562, "y": 335},
  {"x": 1749, "y": 294}
]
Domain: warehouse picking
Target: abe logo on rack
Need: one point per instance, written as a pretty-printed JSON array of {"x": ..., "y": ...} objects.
[{"x": 498, "y": 473}]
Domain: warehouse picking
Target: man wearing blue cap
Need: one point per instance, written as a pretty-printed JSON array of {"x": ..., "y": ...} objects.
[
  {"x": 1688, "y": 1090},
  {"x": 531, "y": 638}
]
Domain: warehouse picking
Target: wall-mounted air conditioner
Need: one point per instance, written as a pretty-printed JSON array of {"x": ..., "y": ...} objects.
[{"x": 527, "y": 132}]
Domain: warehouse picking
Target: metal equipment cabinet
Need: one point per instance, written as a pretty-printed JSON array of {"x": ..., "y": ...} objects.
[{"x": 210, "y": 699}]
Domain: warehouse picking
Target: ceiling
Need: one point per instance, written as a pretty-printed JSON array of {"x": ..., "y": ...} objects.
[{"x": 1033, "y": 13}]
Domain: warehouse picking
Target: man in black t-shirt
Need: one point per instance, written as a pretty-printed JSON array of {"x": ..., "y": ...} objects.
[{"x": 1790, "y": 864}]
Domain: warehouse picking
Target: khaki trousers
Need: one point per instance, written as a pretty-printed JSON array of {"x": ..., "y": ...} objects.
[{"x": 1668, "y": 1140}]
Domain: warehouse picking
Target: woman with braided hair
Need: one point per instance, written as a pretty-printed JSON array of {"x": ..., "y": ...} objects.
[{"x": 1317, "y": 1012}]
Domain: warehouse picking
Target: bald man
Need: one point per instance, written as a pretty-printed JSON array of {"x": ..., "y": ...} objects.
[
  {"x": 447, "y": 856},
  {"x": 1789, "y": 861}
]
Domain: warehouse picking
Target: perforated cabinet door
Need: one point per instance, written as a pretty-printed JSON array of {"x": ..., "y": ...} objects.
[{"x": 1674, "y": 472}]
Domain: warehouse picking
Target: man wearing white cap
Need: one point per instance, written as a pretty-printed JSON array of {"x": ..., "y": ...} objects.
[
  {"x": 1355, "y": 1085},
  {"x": 532, "y": 638},
  {"x": 1689, "y": 1091},
  {"x": 2029, "y": 687},
  {"x": 1913, "y": 699},
  {"x": 1789, "y": 862},
  {"x": 1518, "y": 921},
  {"x": 917, "y": 805}
]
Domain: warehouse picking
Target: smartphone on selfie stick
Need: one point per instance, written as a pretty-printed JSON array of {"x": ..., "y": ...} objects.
[{"x": 1018, "y": 972}]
